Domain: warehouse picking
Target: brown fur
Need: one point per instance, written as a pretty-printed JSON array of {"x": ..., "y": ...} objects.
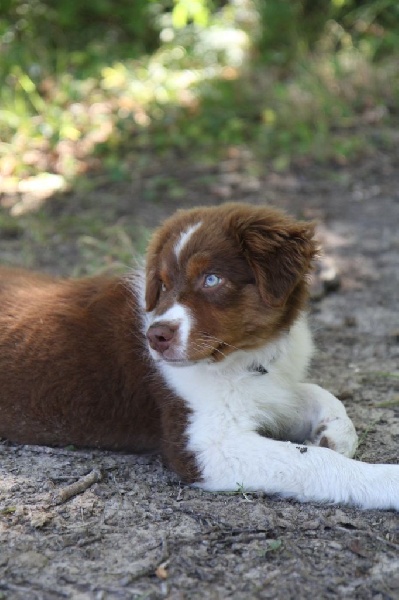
[{"x": 74, "y": 368}]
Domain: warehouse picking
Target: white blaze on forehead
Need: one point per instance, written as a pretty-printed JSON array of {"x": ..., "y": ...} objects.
[{"x": 184, "y": 237}]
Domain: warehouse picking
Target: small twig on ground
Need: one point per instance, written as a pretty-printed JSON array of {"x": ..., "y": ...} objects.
[
  {"x": 161, "y": 570},
  {"x": 77, "y": 487},
  {"x": 92, "y": 540},
  {"x": 151, "y": 569}
]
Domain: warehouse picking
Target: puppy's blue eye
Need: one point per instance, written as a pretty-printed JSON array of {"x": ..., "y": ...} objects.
[{"x": 212, "y": 280}]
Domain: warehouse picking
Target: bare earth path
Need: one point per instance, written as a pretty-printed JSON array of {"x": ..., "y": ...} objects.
[{"x": 128, "y": 529}]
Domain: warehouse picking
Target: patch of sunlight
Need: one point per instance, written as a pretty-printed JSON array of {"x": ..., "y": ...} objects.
[
  {"x": 114, "y": 77},
  {"x": 32, "y": 191},
  {"x": 81, "y": 112},
  {"x": 173, "y": 72},
  {"x": 233, "y": 43},
  {"x": 269, "y": 116}
]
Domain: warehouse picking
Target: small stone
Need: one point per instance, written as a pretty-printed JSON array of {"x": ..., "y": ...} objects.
[
  {"x": 350, "y": 321},
  {"x": 30, "y": 560}
]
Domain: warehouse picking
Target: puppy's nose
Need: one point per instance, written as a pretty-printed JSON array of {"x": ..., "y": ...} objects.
[{"x": 160, "y": 337}]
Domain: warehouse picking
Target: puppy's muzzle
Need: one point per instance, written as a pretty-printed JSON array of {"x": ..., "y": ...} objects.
[{"x": 162, "y": 337}]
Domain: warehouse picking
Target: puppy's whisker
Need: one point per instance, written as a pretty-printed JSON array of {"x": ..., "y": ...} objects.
[
  {"x": 217, "y": 350},
  {"x": 200, "y": 346},
  {"x": 219, "y": 341}
]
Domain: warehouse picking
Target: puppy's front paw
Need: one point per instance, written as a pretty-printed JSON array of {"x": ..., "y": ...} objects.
[{"x": 336, "y": 433}]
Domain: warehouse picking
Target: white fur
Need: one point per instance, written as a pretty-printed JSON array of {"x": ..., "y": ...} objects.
[
  {"x": 230, "y": 402},
  {"x": 177, "y": 315},
  {"x": 184, "y": 237}
]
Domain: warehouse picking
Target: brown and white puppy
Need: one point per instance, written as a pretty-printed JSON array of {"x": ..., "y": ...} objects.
[{"x": 202, "y": 359}]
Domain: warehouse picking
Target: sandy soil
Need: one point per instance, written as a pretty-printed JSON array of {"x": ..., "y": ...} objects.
[{"x": 129, "y": 529}]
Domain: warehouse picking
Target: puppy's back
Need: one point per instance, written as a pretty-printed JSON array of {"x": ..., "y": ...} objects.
[{"x": 72, "y": 363}]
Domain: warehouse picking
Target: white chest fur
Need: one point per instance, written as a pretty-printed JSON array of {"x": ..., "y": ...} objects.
[
  {"x": 231, "y": 401},
  {"x": 231, "y": 397}
]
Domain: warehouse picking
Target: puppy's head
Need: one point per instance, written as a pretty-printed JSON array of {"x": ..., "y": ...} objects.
[{"x": 224, "y": 278}]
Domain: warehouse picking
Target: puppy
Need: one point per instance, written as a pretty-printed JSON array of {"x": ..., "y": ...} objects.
[{"x": 202, "y": 359}]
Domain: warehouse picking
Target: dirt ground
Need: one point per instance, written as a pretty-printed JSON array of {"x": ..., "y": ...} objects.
[{"x": 134, "y": 531}]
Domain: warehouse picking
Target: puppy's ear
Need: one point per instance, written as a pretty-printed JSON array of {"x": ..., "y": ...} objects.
[
  {"x": 280, "y": 251},
  {"x": 152, "y": 289},
  {"x": 152, "y": 280}
]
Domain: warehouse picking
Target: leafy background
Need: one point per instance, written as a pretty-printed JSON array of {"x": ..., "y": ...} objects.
[
  {"x": 114, "y": 108},
  {"x": 104, "y": 82}
]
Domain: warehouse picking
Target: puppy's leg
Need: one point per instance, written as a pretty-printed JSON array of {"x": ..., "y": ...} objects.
[
  {"x": 330, "y": 425},
  {"x": 290, "y": 470}
]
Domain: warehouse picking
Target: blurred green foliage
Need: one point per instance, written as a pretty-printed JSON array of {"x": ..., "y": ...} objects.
[
  {"x": 292, "y": 28},
  {"x": 99, "y": 82},
  {"x": 74, "y": 25}
]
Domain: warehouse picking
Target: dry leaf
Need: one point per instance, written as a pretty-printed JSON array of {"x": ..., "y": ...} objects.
[{"x": 161, "y": 572}]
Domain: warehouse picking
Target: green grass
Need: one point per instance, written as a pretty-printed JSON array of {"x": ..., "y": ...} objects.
[
  {"x": 363, "y": 437},
  {"x": 272, "y": 546},
  {"x": 385, "y": 374},
  {"x": 91, "y": 240},
  {"x": 388, "y": 403},
  {"x": 70, "y": 105}
]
